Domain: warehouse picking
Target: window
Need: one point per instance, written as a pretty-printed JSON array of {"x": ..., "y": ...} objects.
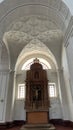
[
  {"x": 21, "y": 91},
  {"x": 43, "y": 62},
  {"x": 52, "y": 90}
]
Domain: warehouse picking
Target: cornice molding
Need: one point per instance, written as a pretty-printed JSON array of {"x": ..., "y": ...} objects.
[
  {"x": 68, "y": 33},
  {"x": 7, "y": 71}
]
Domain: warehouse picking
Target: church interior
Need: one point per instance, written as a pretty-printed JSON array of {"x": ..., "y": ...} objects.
[{"x": 30, "y": 30}]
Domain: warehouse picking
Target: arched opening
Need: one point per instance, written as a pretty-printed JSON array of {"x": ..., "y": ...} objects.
[
  {"x": 25, "y": 59},
  {"x": 43, "y": 62}
]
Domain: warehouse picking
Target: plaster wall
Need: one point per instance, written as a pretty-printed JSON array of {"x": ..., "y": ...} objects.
[
  {"x": 3, "y": 94},
  {"x": 70, "y": 62},
  {"x": 9, "y": 101},
  {"x": 4, "y": 78},
  {"x": 19, "y": 111},
  {"x": 70, "y": 66},
  {"x": 67, "y": 97}
]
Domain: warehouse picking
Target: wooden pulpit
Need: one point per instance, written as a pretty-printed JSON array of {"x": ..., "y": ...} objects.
[{"x": 37, "y": 96}]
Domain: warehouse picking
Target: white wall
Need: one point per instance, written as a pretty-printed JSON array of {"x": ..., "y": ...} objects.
[
  {"x": 70, "y": 65},
  {"x": 55, "y": 103},
  {"x": 70, "y": 62},
  {"x": 19, "y": 111},
  {"x": 9, "y": 102},
  {"x": 4, "y": 78},
  {"x": 67, "y": 97}
]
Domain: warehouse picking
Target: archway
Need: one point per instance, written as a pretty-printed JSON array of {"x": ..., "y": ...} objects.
[{"x": 30, "y": 51}]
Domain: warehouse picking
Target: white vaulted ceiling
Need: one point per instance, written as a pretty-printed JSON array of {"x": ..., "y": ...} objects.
[
  {"x": 32, "y": 30},
  {"x": 31, "y": 22}
]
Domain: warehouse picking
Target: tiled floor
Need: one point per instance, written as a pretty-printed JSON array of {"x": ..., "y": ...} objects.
[{"x": 57, "y": 128}]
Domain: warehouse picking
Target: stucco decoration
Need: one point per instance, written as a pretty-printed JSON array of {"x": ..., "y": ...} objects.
[
  {"x": 33, "y": 25},
  {"x": 24, "y": 38},
  {"x": 36, "y": 44},
  {"x": 34, "y": 49},
  {"x": 51, "y": 35},
  {"x": 34, "y": 30},
  {"x": 17, "y": 37}
]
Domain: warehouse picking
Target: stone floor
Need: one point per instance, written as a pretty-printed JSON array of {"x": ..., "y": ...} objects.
[
  {"x": 38, "y": 127},
  {"x": 58, "y": 127}
]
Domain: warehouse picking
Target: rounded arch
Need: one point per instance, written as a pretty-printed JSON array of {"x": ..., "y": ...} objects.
[
  {"x": 36, "y": 49},
  {"x": 26, "y": 65},
  {"x": 50, "y": 9}
]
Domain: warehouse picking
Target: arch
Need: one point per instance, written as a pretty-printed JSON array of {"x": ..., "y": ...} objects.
[
  {"x": 50, "y": 8},
  {"x": 47, "y": 9},
  {"x": 26, "y": 65},
  {"x": 36, "y": 49}
]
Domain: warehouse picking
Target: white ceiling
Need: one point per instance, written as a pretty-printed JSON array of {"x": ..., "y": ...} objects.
[
  {"x": 32, "y": 30},
  {"x": 25, "y": 22}
]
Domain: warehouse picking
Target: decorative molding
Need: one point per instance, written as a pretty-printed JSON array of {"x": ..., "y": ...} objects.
[
  {"x": 17, "y": 37},
  {"x": 51, "y": 36},
  {"x": 66, "y": 40},
  {"x": 28, "y": 28},
  {"x": 64, "y": 9},
  {"x": 54, "y": 4},
  {"x": 23, "y": 38},
  {"x": 36, "y": 44},
  {"x": 6, "y": 71},
  {"x": 33, "y": 22},
  {"x": 32, "y": 30},
  {"x": 69, "y": 32},
  {"x": 58, "y": 7}
]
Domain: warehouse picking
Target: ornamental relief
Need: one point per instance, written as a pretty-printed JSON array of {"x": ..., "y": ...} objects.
[
  {"x": 24, "y": 38},
  {"x": 32, "y": 30},
  {"x": 33, "y": 24}
]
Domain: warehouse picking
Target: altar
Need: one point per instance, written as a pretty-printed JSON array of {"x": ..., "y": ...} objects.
[{"x": 37, "y": 101}]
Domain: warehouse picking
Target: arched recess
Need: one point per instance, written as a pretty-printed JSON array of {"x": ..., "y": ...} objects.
[
  {"x": 57, "y": 12},
  {"x": 33, "y": 50},
  {"x": 36, "y": 49}
]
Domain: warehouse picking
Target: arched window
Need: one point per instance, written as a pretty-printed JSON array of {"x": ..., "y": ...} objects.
[{"x": 43, "y": 62}]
